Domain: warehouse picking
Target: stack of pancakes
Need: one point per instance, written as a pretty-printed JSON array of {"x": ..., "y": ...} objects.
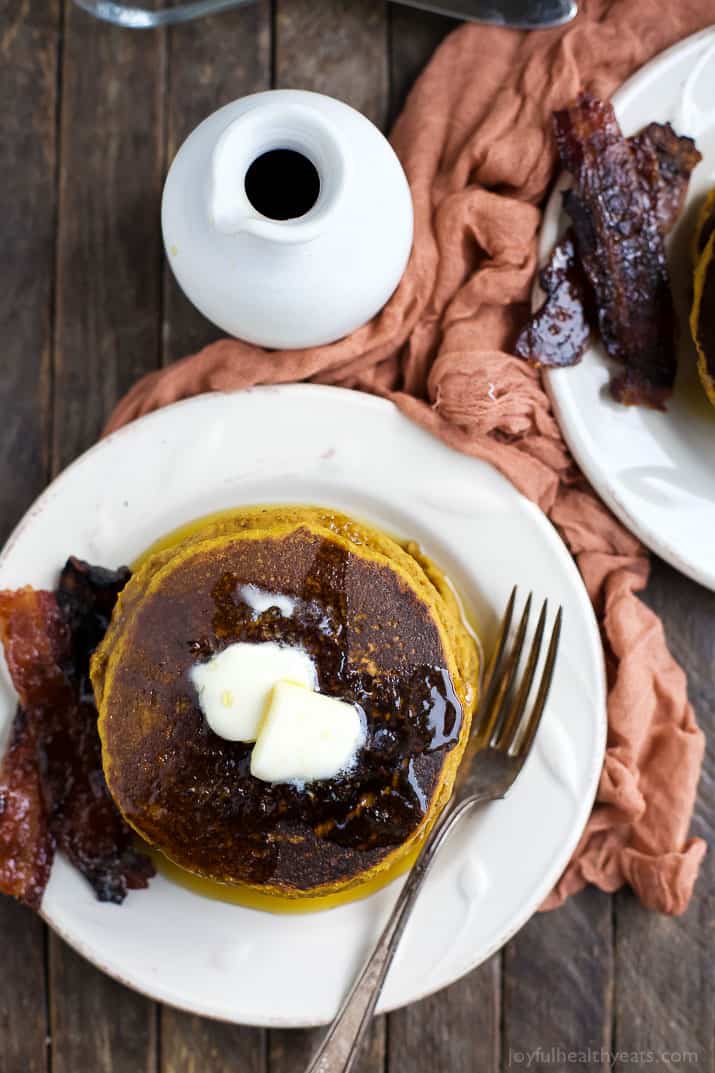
[{"x": 385, "y": 632}]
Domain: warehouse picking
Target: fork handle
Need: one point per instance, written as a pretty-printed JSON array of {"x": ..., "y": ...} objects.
[{"x": 339, "y": 1049}]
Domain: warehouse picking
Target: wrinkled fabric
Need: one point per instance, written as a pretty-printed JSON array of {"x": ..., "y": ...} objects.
[{"x": 476, "y": 144}]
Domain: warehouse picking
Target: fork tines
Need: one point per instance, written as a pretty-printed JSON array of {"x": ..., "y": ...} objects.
[{"x": 507, "y": 723}]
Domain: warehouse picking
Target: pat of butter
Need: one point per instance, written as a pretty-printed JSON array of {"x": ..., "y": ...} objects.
[
  {"x": 306, "y": 736},
  {"x": 234, "y": 686}
]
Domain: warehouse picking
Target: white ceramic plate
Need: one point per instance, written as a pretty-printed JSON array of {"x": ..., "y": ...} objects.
[
  {"x": 655, "y": 470},
  {"x": 324, "y": 445}
]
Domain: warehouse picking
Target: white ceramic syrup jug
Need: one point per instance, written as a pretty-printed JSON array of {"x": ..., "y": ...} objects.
[{"x": 316, "y": 275}]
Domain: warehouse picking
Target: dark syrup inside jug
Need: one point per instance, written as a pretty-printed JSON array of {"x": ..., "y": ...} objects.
[{"x": 282, "y": 184}]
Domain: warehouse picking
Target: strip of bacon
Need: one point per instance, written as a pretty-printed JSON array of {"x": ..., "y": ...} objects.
[
  {"x": 557, "y": 334},
  {"x": 667, "y": 160},
  {"x": 26, "y": 845},
  {"x": 48, "y": 639}
]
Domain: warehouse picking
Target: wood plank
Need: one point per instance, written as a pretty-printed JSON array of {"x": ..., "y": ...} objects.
[
  {"x": 23, "y": 1005},
  {"x": 558, "y": 981},
  {"x": 108, "y": 260},
  {"x": 29, "y": 41},
  {"x": 196, "y": 1045},
  {"x": 456, "y": 1029},
  {"x": 29, "y": 47},
  {"x": 414, "y": 35},
  {"x": 338, "y": 47},
  {"x": 97, "y": 1024},
  {"x": 291, "y": 1050},
  {"x": 665, "y": 967},
  {"x": 210, "y": 63},
  {"x": 107, "y": 333}
]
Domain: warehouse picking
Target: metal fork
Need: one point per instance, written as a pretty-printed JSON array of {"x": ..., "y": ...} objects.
[{"x": 500, "y": 740}]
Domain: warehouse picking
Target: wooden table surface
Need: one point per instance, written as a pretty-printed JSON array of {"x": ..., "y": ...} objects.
[{"x": 91, "y": 116}]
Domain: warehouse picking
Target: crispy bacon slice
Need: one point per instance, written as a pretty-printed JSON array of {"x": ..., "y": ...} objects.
[
  {"x": 48, "y": 639},
  {"x": 86, "y": 596},
  {"x": 666, "y": 160},
  {"x": 26, "y": 845},
  {"x": 36, "y": 640},
  {"x": 621, "y": 249},
  {"x": 557, "y": 334}
]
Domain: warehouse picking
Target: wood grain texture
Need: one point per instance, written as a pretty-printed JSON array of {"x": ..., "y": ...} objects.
[
  {"x": 290, "y": 1050},
  {"x": 456, "y": 1029},
  {"x": 210, "y": 63},
  {"x": 665, "y": 967},
  {"x": 414, "y": 35},
  {"x": 558, "y": 982},
  {"x": 195, "y": 1045},
  {"x": 29, "y": 51},
  {"x": 29, "y": 44},
  {"x": 24, "y": 1029},
  {"x": 108, "y": 261},
  {"x": 338, "y": 47},
  {"x": 107, "y": 333},
  {"x": 97, "y": 1025}
]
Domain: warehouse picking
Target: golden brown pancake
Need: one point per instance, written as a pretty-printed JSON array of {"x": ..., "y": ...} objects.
[
  {"x": 702, "y": 314},
  {"x": 385, "y": 632}
]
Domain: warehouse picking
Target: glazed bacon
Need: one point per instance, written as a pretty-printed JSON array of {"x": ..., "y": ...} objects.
[
  {"x": 666, "y": 161},
  {"x": 52, "y": 788},
  {"x": 558, "y": 333},
  {"x": 621, "y": 249},
  {"x": 26, "y": 845},
  {"x": 609, "y": 268},
  {"x": 35, "y": 639}
]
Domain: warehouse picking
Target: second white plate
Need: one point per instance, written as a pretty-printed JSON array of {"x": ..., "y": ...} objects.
[{"x": 655, "y": 470}]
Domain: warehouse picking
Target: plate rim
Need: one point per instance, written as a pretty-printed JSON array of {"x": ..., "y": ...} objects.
[
  {"x": 571, "y": 426},
  {"x": 386, "y": 406}
]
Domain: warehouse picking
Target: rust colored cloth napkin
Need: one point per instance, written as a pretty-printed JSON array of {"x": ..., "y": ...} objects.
[{"x": 475, "y": 141}]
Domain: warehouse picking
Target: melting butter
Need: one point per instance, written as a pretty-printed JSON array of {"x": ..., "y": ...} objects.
[
  {"x": 267, "y": 693},
  {"x": 235, "y": 685},
  {"x": 306, "y": 736}
]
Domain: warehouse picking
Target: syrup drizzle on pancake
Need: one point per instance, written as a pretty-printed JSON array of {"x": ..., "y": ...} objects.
[
  {"x": 385, "y": 797},
  {"x": 374, "y": 645}
]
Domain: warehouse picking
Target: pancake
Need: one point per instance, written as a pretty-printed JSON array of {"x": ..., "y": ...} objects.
[
  {"x": 385, "y": 632},
  {"x": 702, "y": 315},
  {"x": 704, "y": 226}
]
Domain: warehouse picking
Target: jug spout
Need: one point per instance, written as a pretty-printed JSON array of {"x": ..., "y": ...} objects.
[{"x": 300, "y": 133}]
